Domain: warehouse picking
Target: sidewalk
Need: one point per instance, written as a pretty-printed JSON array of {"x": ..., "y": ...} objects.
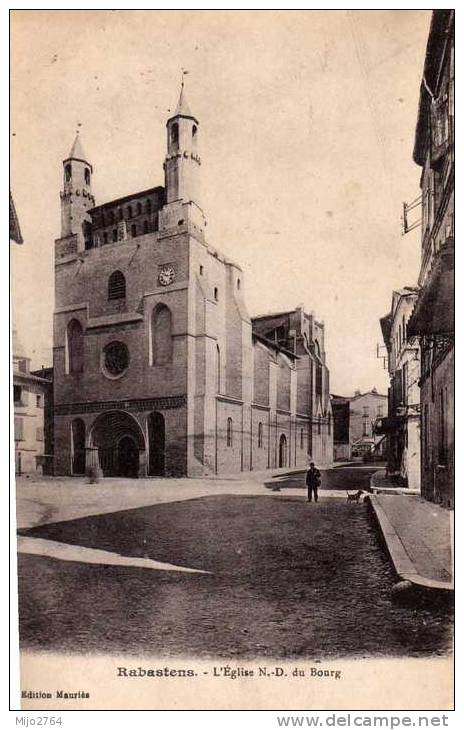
[
  {"x": 418, "y": 536},
  {"x": 381, "y": 484}
]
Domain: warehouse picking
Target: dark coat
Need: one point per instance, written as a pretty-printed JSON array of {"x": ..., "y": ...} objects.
[{"x": 313, "y": 478}]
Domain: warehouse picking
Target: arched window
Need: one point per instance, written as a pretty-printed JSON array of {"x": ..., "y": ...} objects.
[
  {"x": 133, "y": 230},
  {"x": 161, "y": 335},
  {"x": 238, "y": 283},
  {"x": 175, "y": 134},
  {"x": 129, "y": 211},
  {"x": 145, "y": 226},
  {"x": 229, "y": 432},
  {"x": 218, "y": 369},
  {"x": 117, "y": 286},
  {"x": 67, "y": 172},
  {"x": 74, "y": 347},
  {"x": 87, "y": 176},
  {"x": 139, "y": 208},
  {"x": 260, "y": 435}
]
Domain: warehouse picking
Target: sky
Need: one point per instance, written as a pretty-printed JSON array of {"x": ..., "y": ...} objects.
[{"x": 307, "y": 122}]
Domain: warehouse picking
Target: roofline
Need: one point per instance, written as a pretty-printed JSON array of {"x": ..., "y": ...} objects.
[
  {"x": 275, "y": 346},
  {"x": 79, "y": 159},
  {"x": 368, "y": 392},
  {"x": 117, "y": 201}
]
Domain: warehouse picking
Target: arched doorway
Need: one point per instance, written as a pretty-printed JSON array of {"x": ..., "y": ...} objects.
[
  {"x": 283, "y": 450},
  {"x": 128, "y": 457},
  {"x": 156, "y": 440},
  {"x": 78, "y": 446},
  {"x": 119, "y": 440}
]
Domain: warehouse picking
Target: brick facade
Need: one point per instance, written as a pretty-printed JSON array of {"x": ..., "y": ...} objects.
[{"x": 158, "y": 368}]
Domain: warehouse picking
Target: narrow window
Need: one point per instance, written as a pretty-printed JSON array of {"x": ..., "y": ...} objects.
[
  {"x": 103, "y": 221},
  {"x": 329, "y": 425},
  {"x": 148, "y": 206},
  {"x": 175, "y": 134},
  {"x": 216, "y": 293},
  {"x": 67, "y": 173},
  {"x": 139, "y": 208},
  {"x": 115, "y": 235},
  {"x": 117, "y": 286},
  {"x": 17, "y": 394},
  {"x": 133, "y": 230},
  {"x": 111, "y": 216},
  {"x": 161, "y": 335},
  {"x": 75, "y": 347},
  {"x": 301, "y": 438},
  {"x": 319, "y": 423},
  {"x": 120, "y": 214},
  {"x": 229, "y": 432},
  {"x": 218, "y": 369},
  {"x": 260, "y": 435},
  {"x": 129, "y": 211},
  {"x": 39, "y": 434},
  {"x": 18, "y": 428},
  {"x": 238, "y": 283},
  {"x": 201, "y": 270},
  {"x": 145, "y": 226},
  {"x": 105, "y": 237},
  {"x": 87, "y": 176},
  {"x": 38, "y": 401}
]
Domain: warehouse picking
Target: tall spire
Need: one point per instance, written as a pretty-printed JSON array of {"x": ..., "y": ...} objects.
[
  {"x": 183, "y": 109},
  {"x": 77, "y": 151}
]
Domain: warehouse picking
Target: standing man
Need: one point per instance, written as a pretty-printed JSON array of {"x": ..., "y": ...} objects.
[{"x": 313, "y": 481}]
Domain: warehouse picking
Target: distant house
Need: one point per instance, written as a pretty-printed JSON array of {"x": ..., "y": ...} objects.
[
  {"x": 354, "y": 424},
  {"x": 33, "y": 425}
]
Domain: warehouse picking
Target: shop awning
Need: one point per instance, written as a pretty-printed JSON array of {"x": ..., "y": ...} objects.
[
  {"x": 388, "y": 424},
  {"x": 434, "y": 310}
]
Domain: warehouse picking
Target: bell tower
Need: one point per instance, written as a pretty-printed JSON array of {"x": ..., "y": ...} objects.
[
  {"x": 76, "y": 196},
  {"x": 182, "y": 163}
]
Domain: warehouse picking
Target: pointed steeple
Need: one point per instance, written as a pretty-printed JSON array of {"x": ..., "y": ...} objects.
[
  {"x": 77, "y": 151},
  {"x": 183, "y": 109}
]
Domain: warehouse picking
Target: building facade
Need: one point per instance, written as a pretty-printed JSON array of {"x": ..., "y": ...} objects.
[
  {"x": 432, "y": 320},
  {"x": 354, "y": 424},
  {"x": 402, "y": 425},
  {"x": 31, "y": 401},
  {"x": 158, "y": 368}
]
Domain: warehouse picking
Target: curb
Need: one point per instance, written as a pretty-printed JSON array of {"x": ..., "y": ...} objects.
[
  {"x": 402, "y": 563},
  {"x": 390, "y": 490}
]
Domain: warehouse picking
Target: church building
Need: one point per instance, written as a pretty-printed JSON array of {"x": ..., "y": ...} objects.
[{"x": 158, "y": 368}]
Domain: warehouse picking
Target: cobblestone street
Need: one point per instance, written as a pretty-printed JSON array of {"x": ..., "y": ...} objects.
[{"x": 285, "y": 579}]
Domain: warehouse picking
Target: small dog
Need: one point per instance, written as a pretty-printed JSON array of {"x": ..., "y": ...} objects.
[{"x": 354, "y": 497}]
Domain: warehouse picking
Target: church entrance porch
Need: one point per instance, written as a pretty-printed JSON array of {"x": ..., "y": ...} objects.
[{"x": 120, "y": 444}]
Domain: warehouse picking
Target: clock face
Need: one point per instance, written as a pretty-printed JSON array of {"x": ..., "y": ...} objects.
[{"x": 166, "y": 275}]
